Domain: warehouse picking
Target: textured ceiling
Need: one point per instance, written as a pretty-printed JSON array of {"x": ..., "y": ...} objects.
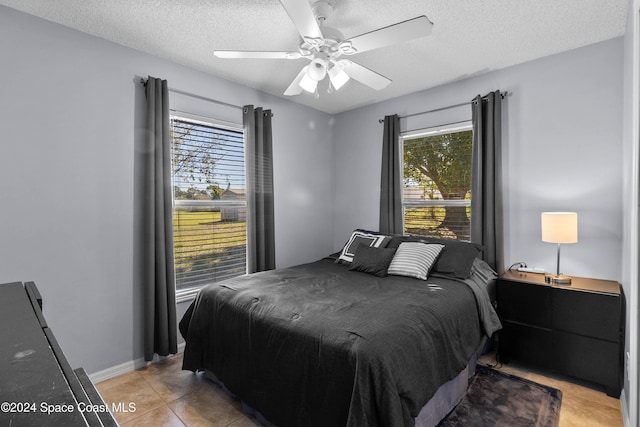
[{"x": 470, "y": 37}]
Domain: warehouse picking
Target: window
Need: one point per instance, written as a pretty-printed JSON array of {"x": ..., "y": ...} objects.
[
  {"x": 436, "y": 196},
  {"x": 209, "y": 214}
]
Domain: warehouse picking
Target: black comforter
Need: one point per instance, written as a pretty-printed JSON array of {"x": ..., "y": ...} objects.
[{"x": 319, "y": 345}]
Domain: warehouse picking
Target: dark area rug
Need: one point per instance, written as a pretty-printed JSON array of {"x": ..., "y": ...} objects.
[{"x": 498, "y": 399}]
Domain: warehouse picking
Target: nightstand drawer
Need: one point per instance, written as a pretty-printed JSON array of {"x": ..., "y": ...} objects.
[
  {"x": 589, "y": 359},
  {"x": 526, "y": 343},
  {"x": 525, "y": 303},
  {"x": 588, "y": 314}
]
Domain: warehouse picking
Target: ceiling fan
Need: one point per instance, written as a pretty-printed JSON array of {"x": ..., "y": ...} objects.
[{"x": 325, "y": 48}]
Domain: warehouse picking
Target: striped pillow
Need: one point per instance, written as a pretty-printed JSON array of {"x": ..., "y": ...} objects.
[{"x": 414, "y": 259}]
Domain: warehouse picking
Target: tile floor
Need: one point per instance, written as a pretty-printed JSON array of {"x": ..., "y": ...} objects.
[
  {"x": 166, "y": 396},
  {"x": 581, "y": 406}
]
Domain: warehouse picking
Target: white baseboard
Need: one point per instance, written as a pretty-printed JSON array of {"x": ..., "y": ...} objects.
[
  {"x": 625, "y": 409},
  {"x": 123, "y": 368},
  {"x": 120, "y": 369}
]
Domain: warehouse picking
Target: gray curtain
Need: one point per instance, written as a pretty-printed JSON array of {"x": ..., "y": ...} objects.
[
  {"x": 391, "y": 179},
  {"x": 261, "y": 254},
  {"x": 486, "y": 182},
  {"x": 160, "y": 327}
]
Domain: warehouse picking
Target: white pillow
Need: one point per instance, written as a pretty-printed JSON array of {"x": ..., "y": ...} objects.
[
  {"x": 359, "y": 238},
  {"x": 414, "y": 259}
]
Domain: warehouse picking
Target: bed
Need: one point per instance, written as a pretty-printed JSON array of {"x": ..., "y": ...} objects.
[{"x": 354, "y": 339}]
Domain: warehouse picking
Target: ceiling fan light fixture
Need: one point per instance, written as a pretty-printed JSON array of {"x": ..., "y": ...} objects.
[
  {"x": 317, "y": 69},
  {"x": 337, "y": 75},
  {"x": 307, "y": 83}
]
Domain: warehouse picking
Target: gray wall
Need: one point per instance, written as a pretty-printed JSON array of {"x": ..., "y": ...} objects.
[
  {"x": 71, "y": 113},
  {"x": 562, "y": 151}
]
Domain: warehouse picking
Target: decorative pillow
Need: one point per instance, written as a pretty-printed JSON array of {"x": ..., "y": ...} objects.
[
  {"x": 358, "y": 238},
  {"x": 414, "y": 259},
  {"x": 395, "y": 241},
  {"x": 456, "y": 258},
  {"x": 372, "y": 260}
]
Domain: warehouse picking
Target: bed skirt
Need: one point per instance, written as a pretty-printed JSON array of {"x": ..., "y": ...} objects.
[
  {"x": 443, "y": 401},
  {"x": 450, "y": 393}
]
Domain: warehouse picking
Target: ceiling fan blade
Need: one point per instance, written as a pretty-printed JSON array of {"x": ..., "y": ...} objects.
[
  {"x": 396, "y": 33},
  {"x": 303, "y": 18},
  {"x": 295, "y": 88},
  {"x": 245, "y": 54},
  {"x": 365, "y": 75}
]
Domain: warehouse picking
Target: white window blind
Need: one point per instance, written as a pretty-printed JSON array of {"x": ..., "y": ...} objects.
[
  {"x": 436, "y": 195},
  {"x": 209, "y": 222}
]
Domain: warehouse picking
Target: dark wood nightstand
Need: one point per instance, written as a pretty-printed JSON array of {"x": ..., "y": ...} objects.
[{"x": 575, "y": 330}]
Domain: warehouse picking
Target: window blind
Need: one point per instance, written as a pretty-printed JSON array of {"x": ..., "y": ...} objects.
[{"x": 209, "y": 222}]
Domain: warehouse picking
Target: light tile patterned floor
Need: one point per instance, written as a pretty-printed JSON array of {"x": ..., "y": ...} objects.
[{"x": 164, "y": 395}]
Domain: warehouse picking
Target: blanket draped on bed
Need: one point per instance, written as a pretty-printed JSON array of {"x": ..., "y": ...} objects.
[{"x": 319, "y": 345}]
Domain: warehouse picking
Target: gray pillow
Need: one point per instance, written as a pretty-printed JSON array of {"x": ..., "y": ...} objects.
[{"x": 372, "y": 260}]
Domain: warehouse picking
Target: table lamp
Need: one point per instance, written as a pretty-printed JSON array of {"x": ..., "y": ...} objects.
[{"x": 559, "y": 227}]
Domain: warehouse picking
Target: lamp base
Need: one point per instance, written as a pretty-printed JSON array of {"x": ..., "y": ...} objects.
[{"x": 558, "y": 279}]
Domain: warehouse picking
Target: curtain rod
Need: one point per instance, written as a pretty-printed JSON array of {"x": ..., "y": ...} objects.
[
  {"x": 502, "y": 95},
  {"x": 203, "y": 98}
]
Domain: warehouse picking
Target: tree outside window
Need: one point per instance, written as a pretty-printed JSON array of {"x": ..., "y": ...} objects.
[{"x": 437, "y": 181}]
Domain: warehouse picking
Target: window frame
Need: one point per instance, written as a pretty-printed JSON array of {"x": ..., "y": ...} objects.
[
  {"x": 466, "y": 125},
  {"x": 190, "y": 293}
]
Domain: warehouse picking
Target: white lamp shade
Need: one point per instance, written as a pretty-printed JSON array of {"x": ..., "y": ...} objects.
[
  {"x": 308, "y": 84},
  {"x": 337, "y": 75},
  {"x": 317, "y": 69},
  {"x": 560, "y": 227}
]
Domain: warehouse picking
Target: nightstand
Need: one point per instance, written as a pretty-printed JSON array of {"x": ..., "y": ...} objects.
[{"x": 575, "y": 330}]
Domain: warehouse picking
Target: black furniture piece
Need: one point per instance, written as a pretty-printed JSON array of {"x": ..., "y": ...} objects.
[
  {"x": 37, "y": 385},
  {"x": 575, "y": 330}
]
